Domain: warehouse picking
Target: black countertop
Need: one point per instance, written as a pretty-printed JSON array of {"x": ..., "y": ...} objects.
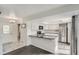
[{"x": 44, "y": 37}]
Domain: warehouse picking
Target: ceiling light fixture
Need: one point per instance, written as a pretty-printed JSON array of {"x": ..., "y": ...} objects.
[{"x": 12, "y": 21}]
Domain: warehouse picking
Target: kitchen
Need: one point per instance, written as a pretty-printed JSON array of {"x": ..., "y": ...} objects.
[
  {"x": 52, "y": 36},
  {"x": 47, "y": 31}
]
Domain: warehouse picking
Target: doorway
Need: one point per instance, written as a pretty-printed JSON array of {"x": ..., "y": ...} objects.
[{"x": 64, "y": 38}]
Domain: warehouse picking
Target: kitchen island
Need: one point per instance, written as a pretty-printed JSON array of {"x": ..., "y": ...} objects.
[{"x": 47, "y": 43}]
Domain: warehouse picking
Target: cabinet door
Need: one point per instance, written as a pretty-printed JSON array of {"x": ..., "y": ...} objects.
[{"x": 53, "y": 27}]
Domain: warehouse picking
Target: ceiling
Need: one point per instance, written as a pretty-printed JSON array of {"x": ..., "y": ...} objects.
[{"x": 24, "y": 10}]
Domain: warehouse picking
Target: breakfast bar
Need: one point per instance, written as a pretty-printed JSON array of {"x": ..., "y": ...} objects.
[{"x": 47, "y": 43}]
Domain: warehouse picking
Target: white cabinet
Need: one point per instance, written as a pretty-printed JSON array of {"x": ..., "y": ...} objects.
[
  {"x": 53, "y": 26},
  {"x": 45, "y": 44}
]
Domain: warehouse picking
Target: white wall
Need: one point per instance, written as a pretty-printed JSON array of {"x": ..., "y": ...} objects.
[
  {"x": 9, "y": 42},
  {"x": 0, "y": 40},
  {"x": 28, "y": 42}
]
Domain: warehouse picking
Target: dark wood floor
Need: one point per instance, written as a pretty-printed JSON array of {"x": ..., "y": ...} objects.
[{"x": 29, "y": 50}]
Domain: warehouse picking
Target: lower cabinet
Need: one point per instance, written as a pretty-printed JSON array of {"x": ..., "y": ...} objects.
[{"x": 45, "y": 44}]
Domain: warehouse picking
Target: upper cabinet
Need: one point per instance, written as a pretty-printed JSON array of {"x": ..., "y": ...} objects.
[
  {"x": 51, "y": 27},
  {"x": 35, "y": 26}
]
